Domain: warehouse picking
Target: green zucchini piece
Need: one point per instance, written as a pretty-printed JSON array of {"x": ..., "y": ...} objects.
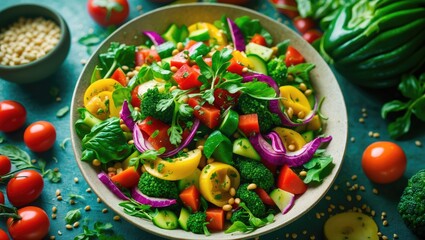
[
  {"x": 229, "y": 125},
  {"x": 243, "y": 147},
  {"x": 263, "y": 52},
  {"x": 165, "y": 219},
  {"x": 259, "y": 64},
  {"x": 200, "y": 35},
  {"x": 183, "y": 217},
  {"x": 165, "y": 50}
]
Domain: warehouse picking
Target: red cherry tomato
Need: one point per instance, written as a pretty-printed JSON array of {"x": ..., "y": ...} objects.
[
  {"x": 5, "y": 165},
  {"x": 304, "y": 24},
  {"x": 293, "y": 57},
  {"x": 108, "y": 12},
  {"x": 12, "y": 115},
  {"x": 33, "y": 224},
  {"x": 25, "y": 187},
  {"x": 3, "y": 235},
  {"x": 259, "y": 39},
  {"x": 312, "y": 35},
  {"x": 384, "y": 162},
  {"x": 286, "y": 7},
  {"x": 1, "y": 198},
  {"x": 40, "y": 136}
]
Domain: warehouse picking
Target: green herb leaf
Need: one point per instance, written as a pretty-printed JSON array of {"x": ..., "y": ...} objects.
[
  {"x": 72, "y": 216},
  {"x": 393, "y": 106},
  {"x": 400, "y": 126},
  {"x": 318, "y": 167},
  {"x": 17, "y": 156},
  {"x": 62, "y": 112},
  {"x": 410, "y": 87},
  {"x": 259, "y": 90},
  {"x": 418, "y": 108}
]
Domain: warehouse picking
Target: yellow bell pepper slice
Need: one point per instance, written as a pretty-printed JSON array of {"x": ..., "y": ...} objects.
[
  {"x": 290, "y": 137},
  {"x": 216, "y": 180},
  {"x": 217, "y": 36},
  {"x": 175, "y": 169},
  {"x": 242, "y": 59},
  {"x": 102, "y": 106},
  {"x": 102, "y": 85},
  {"x": 292, "y": 97}
]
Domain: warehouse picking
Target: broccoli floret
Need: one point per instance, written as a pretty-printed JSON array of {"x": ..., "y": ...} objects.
[
  {"x": 277, "y": 69},
  {"x": 249, "y": 105},
  {"x": 197, "y": 223},
  {"x": 156, "y": 187},
  {"x": 150, "y": 102},
  {"x": 240, "y": 215},
  {"x": 252, "y": 200},
  {"x": 412, "y": 204},
  {"x": 252, "y": 171}
]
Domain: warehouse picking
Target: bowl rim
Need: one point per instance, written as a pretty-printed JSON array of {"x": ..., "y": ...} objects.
[
  {"x": 261, "y": 231},
  {"x": 58, "y": 19}
]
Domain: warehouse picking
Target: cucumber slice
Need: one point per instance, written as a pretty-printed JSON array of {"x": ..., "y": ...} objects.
[
  {"x": 192, "y": 179},
  {"x": 351, "y": 226},
  {"x": 184, "y": 216},
  {"x": 243, "y": 147},
  {"x": 165, "y": 219},
  {"x": 264, "y": 52},
  {"x": 229, "y": 125},
  {"x": 165, "y": 50},
  {"x": 200, "y": 35},
  {"x": 308, "y": 135},
  {"x": 284, "y": 200},
  {"x": 259, "y": 64},
  {"x": 172, "y": 33}
]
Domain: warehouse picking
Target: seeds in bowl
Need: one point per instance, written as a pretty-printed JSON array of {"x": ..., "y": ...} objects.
[{"x": 27, "y": 40}]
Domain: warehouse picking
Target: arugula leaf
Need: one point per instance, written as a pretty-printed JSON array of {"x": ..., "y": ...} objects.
[
  {"x": 318, "y": 167},
  {"x": 413, "y": 89},
  {"x": 72, "y": 216}
]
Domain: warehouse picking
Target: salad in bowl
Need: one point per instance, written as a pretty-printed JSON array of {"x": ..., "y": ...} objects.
[{"x": 205, "y": 127}]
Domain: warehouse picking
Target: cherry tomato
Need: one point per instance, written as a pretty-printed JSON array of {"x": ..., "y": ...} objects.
[
  {"x": 304, "y": 24},
  {"x": 223, "y": 99},
  {"x": 25, "y": 187},
  {"x": 312, "y": 35},
  {"x": 1, "y": 198},
  {"x": 12, "y": 115},
  {"x": 293, "y": 57},
  {"x": 108, "y": 12},
  {"x": 33, "y": 224},
  {"x": 5, "y": 165},
  {"x": 384, "y": 162},
  {"x": 3, "y": 235},
  {"x": 286, "y": 7},
  {"x": 259, "y": 39},
  {"x": 40, "y": 136}
]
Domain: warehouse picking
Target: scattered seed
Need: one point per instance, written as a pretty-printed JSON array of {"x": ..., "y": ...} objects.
[
  {"x": 385, "y": 223},
  {"x": 375, "y": 135},
  {"x": 379, "y": 234},
  {"x": 352, "y": 139},
  {"x": 88, "y": 190},
  {"x": 291, "y": 147},
  {"x": 361, "y": 120},
  {"x": 312, "y": 237},
  {"x": 336, "y": 187},
  {"x": 54, "y": 216},
  {"x": 59, "y": 198},
  {"x": 308, "y": 92},
  {"x": 237, "y": 200},
  {"x": 341, "y": 207},
  {"x": 328, "y": 197},
  {"x": 76, "y": 180},
  {"x": 72, "y": 202},
  {"x": 96, "y": 162},
  {"x": 52, "y": 237},
  {"x": 98, "y": 200},
  {"x": 303, "y": 87},
  {"x": 232, "y": 192},
  {"x": 227, "y": 207},
  {"x": 318, "y": 215},
  {"x": 332, "y": 206},
  {"x": 87, "y": 208},
  {"x": 59, "y": 233},
  {"x": 304, "y": 232},
  {"x": 372, "y": 213},
  {"x": 395, "y": 236},
  {"x": 252, "y": 186},
  {"x": 105, "y": 210},
  {"x": 384, "y": 214},
  {"x": 76, "y": 224},
  {"x": 362, "y": 188},
  {"x": 58, "y": 192},
  {"x": 354, "y": 177},
  {"x": 116, "y": 218},
  {"x": 231, "y": 201},
  {"x": 364, "y": 110},
  {"x": 375, "y": 191},
  {"x": 68, "y": 226},
  {"x": 358, "y": 198},
  {"x": 418, "y": 143},
  {"x": 303, "y": 173},
  {"x": 54, "y": 209},
  {"x": 294, "y": 235},
  {"x": 384, "y": 237},
  {"x": 370, "y": 133}
]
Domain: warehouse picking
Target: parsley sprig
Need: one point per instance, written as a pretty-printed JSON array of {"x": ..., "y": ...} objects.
[{"x": 414, "y": 90}]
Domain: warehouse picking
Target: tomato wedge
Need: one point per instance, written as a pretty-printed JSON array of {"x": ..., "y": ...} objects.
[{"x": 293, "y": 57}]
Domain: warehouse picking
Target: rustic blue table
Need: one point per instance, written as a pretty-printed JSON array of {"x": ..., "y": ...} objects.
[{"x": 43, "y": 100}]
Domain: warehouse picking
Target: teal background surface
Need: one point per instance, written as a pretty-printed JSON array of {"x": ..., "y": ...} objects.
[{"x": 41, "y": 104}]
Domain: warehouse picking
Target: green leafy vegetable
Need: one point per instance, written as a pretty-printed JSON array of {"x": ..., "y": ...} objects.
[
  {"x": 318, "y": 167},
  {"x": 105, "y": 142},
  {"x": 249, "y": 27},
  {"x": 414, "y": 90},
  {"x": 101, "y": 231},
  {"x": 72, "y": 216},
  {"x": 118, "y": 55},
  {"x": 92, "y": 39},
  {"x": 254, "y": 222}
]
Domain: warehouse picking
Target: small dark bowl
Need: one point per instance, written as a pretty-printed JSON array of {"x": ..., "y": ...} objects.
[{"x": 46, "y": 65}]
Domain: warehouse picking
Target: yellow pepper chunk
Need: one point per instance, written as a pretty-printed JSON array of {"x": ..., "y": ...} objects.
[
  {"x": 216, "y": 180},
  {"x": 216, "y": 36},
  {"x": 102, "y": 85},
  {"x": 176, "y": 168},
  {"x": 293, "y": 98},
  {"x": 290, "y": 137},
  {"x": 242, "y": 59}
]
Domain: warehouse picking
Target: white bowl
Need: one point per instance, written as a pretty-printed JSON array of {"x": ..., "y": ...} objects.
[{"x": 322, "y": 78}]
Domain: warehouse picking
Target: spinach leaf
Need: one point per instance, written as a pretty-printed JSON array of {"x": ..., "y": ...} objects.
[
  {"x": 105, "y": 142},
  {"x": 118, "y": 55},
  {"x": 249, "y": 27}
]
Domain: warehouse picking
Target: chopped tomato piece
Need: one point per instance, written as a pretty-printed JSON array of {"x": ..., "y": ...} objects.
[
  {"x": 135, "y": 99},
  {"x": 190, "y": 197},
  {"x": 223, "y": 99},
  {"x": 259, "y": 39},
  {"x": 264, "y": 196},
  {"x": 150, "y": 125},
  {"x": 179, "y": 59},
  {"x": 120, "y": 76},
  {"x": 293, "y": 57},
  {"x": 248, "y": 124},
  {"x": 216, "y": 219},
  {"x": 146, "y": 56},
  {"x": 289, "y": 181},
  {"x": 187, "y": 77},
  {"x": 208, "y": 114},
  {"x": 157, "y": 132}
]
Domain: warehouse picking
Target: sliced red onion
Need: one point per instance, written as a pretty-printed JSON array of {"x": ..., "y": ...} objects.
[
  {"x": 125, "y": 115},
  {"x": 139, "y": 140},
  {"x": 237, "y": 35},
  {"x": 292, "y": 159},
  {"x": 274, "y": 106},
  {"x": 104, "y": 178},
  {"x": 289, "y": 205},
  {"x": 249, "y": 77},
  {"x": 141, "y": 198},
  {"x": 277, "y": 144},
  {"x": 186, "y": 142},
  {"x": 154, "y": 37}
]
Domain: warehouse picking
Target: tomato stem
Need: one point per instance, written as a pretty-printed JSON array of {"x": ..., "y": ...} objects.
[{"x": 6, "y": 211}]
